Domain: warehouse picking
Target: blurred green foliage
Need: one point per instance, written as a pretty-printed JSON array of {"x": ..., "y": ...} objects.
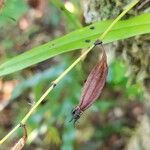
[
  {"x": 55, "y": 112},
  {"x": 49, "y": 126},
  {"x": 11, "y": 12}
]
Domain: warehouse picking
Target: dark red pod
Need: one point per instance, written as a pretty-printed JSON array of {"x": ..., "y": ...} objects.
[{"x": 92, "y": 87}]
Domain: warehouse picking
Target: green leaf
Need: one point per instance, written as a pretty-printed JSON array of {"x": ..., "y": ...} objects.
[{"x": 76, "y": 40}]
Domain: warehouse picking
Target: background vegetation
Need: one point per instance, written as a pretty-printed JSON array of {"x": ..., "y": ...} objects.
[{"x": 110, "y": 122}]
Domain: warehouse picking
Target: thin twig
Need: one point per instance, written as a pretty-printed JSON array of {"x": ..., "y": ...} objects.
[{"x": 55, "y": 82}]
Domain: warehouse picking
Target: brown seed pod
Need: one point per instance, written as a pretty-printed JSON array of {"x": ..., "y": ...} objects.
[
  {"x": 21, "y": 143},
  {"x": 93, "y": 86}
]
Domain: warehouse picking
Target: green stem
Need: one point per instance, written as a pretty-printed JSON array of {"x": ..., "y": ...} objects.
[
  {"x": 118, "y": 18},
  {"x": 66, "y": 71}
]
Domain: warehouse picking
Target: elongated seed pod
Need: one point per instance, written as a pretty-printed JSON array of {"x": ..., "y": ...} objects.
[
  {"x": 93, "y": 86},
  {"x": 94, "y": 83}
]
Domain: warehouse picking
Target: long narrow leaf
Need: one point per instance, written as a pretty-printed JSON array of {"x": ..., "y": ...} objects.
[{"x": 81, "y": 38}]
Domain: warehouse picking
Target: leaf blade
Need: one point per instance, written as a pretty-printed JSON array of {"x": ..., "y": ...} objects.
[{"x": 72, "y": 41}]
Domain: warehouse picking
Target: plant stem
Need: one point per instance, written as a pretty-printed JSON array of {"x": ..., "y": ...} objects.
[
  {"x": 54, "y": 83},
  {"x": 118, "y": 18},
  {"x": 66, "y": 71}
]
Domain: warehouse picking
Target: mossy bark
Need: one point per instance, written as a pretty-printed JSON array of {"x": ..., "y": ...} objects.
[{"x": 136, "y": 53}]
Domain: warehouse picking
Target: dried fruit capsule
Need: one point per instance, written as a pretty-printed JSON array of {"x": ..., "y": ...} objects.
[{"x": 93, "y": 86}]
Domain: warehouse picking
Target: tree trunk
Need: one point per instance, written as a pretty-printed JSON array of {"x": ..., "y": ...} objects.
[{"x": 136, "y": 53}]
